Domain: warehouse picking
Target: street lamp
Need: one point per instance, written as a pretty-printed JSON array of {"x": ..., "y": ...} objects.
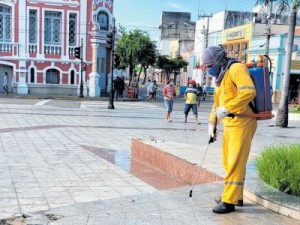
[{"x": 111, "y": 93}]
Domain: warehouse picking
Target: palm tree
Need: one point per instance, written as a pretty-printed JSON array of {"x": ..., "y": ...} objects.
[{"x": 282, "y": 112}]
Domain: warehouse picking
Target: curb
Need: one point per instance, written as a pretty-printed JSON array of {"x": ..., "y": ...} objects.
[
  {"x": 255, "y": 190},
  {"x": 263, "y": 194}
]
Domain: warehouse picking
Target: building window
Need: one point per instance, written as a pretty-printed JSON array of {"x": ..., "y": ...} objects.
[
  {"x": 32, "y": 26},
  {"x": 52, "y": 27},
  {"x": 72, "y": 29},
  {"x": 230, "y": 51},
  {"x": 103, "y": 20},
  {"x": 72, "y": 77},
  {"x": 5, "y": 23},
  {"x": 244, "y": 52},
  {"x": 31, "y": 75},
  {"x": 52, "y": 76},
  {"x": 237, "y": 51}
]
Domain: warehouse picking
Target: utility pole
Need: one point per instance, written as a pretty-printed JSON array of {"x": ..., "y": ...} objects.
[
  {"x": 111, "y": 94},
  {"x": 205, "y": 32},
  {"x": 268, "y": 36},
  {"x": 268, "y": 28}
]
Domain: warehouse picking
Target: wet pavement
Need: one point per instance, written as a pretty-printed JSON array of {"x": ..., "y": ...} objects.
[{"x": 75, "y": 164}]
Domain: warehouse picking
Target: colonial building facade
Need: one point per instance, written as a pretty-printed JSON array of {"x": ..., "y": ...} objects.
[{"x": 38, "y": 40}]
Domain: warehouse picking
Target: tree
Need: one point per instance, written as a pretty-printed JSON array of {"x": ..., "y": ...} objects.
[
  {"x": 163, "y": 63},
  {"x": 170, "y": 65},
  {"x": 147, "y": 54},
  {"x": 282, "y": 112},
  {"x": 179, "y": 63},
  {"x": 135, "y": 48}
]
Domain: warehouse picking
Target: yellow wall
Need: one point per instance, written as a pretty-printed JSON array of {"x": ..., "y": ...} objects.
[
  {"x": 174, "y": 48},
  {"x": 236, "y": 41},
  {"x": 247, "y": 29}
]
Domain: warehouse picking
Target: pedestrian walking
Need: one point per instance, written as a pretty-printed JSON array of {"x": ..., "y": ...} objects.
[
  {"x": 190, "y": 96},
  {"x": 116, "y": 83},
  {"x": 121, "y": 86},
  {"x": 154, "y": 90},
  {"x": 5, "y": 83},
  {"x": 151, "y": 89},
  {"x": 169, "y": 95},
  {"x": 204, "y": 92},
  {"x": 233, "y": 92},
  {"x": 199, "y": 88}
]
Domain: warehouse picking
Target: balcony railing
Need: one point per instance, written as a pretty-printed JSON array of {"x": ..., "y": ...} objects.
[
  {"x": 32, "y": 48},
  {"x": 7, "y": 46},
  {"x": 52, "y": 49},
  {"x": 72, "y": 50}
]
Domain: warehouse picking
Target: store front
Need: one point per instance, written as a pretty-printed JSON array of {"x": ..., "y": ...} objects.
[{"x": 236, "y": 42}]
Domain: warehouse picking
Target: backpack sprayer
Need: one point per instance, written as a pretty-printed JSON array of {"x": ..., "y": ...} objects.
[{"x": 262, "y": 103}]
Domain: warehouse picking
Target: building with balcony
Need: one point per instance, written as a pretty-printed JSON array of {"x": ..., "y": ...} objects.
[{"x": 38, "y": 40}]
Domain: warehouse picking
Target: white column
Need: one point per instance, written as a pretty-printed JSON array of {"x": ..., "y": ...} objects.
[
  {"x": 22, "y": 87},
  {"x": 94, "y": 87}
]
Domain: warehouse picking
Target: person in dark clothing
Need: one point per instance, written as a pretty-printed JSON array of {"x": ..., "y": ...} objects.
[
  {"x": 200, "y": 90},
  {"x": 121, "y": 86},
  {"x": 116, "y": 83}
]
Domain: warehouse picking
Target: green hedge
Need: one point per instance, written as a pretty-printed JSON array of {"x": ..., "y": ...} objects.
[{"x": 279, "y": 166}]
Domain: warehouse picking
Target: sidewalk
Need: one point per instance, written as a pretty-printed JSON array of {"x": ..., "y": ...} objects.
[{"x": 73, "y": 166}]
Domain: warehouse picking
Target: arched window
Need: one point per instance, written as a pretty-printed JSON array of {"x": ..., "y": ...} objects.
[
  {"x": 5, "y": 23},
  {"x": 72, "y": 77},
  {"x": 52, "y": 76},
  {"x": 103, "y": 20},
  {"x": 32, "y": 75}
]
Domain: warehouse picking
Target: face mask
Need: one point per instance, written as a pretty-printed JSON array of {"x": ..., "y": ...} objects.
[
  {"x": 171, "y": 83},
  {"x": 214, "y": 71}
]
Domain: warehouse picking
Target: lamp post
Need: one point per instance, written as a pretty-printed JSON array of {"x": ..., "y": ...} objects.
[
  {"x": 111, "y": 93},
  {"x": 81, "y": 64}
]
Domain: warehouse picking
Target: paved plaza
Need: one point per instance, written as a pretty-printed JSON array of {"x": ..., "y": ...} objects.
[{"x": 70, "y": 163}]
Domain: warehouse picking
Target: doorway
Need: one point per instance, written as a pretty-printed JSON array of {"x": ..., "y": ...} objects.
[{"x": 294, "y": 86}]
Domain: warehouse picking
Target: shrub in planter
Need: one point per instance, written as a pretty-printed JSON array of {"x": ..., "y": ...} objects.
[{"x": 279, "y": 166}]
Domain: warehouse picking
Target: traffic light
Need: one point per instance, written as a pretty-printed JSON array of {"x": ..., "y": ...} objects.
[
  {"x": 77, "y": 52},
  {"x": 109, "y": 40},
  {"x": 116, "y": 61}
]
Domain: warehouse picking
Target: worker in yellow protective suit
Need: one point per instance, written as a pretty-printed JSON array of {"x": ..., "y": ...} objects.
[{"x": 234, "y": 91}]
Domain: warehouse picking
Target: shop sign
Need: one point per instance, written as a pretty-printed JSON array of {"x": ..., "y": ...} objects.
[{"x": 234, "y": 35}]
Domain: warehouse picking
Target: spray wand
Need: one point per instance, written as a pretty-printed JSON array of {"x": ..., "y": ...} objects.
[{"x": 211, "y": 140}]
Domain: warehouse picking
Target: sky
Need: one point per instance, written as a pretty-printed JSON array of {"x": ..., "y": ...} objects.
[{"x": 146, "y": 14}]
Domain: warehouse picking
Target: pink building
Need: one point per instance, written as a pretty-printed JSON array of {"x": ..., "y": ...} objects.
[{"x": 37, "y": 42}]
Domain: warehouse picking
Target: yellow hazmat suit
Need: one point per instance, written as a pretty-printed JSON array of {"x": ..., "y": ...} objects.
[{"x": 234, "y": 93}]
